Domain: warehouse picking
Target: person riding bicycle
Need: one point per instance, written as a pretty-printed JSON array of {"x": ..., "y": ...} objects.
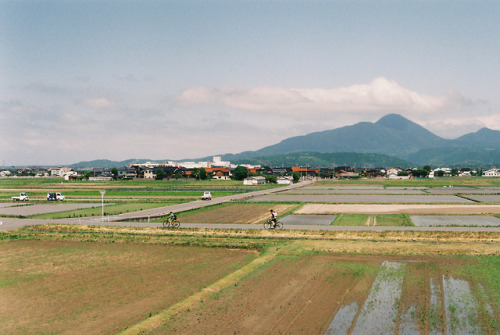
[
  {"x": 171, "y": 217},
  {"x": 274, "y": 217}
]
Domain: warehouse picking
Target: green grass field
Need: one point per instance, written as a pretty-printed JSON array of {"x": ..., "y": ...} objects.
[{"x": 396, "y": 220}]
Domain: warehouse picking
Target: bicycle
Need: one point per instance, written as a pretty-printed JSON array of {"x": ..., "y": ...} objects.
[
  {"x": 270, "y": 225},
  {"x": 169, "y": 223}
]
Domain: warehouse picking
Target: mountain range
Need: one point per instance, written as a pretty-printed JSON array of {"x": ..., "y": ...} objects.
[
  {"x": 394, "y": 136},
  {"x": 392, "y": 140}
]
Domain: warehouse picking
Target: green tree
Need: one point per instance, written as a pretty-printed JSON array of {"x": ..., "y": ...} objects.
[
  {"x": 203, "y": 174},
  {"x": 195, "y": 173},
  {"x": 296, "y": 177},
  {"x": 114, "y": 173},
  {"x": 272, "y": 179},
  {"x": 454, "y": 172},
  {"x": 160, "y": 174},
  {"x": 240, "y": 173}
]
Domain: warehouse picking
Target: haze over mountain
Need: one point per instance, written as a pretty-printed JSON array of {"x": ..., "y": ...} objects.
[{"x": 392, "y": 136}]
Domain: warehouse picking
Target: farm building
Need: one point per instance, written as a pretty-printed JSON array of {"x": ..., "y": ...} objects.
[{"x": 258, "y": 180}]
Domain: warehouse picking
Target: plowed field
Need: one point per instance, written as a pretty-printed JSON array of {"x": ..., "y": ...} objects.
[{"x": 237, "y": 213}]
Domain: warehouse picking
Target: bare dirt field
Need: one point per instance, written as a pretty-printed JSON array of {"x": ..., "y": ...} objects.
[
  {"x": 236, "y": 213},
  {"x": 93, "y": 288},
  {"x": 397, "y": 208}
]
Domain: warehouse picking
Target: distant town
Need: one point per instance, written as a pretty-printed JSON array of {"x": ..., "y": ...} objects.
[{"x": 250, "y": 174}]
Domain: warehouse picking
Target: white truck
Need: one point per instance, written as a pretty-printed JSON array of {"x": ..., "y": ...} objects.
[
  {"x": 55, "y": 196},
  {"x": 22, "y": 197},
  {"x": 206, "y": 196}
]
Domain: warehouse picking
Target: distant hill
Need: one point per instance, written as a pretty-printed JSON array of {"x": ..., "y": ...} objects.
[
  {"x": 466, "y": 157},
  {"x": 105, "y": 163},
  {"x": 392, "y": 135},
  {"x": 316, "y": 159}
]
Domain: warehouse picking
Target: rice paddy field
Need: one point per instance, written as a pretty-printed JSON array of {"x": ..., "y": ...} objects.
[
  {"x": 63, "y": 279},
  {"x": 60, "y": 278}
]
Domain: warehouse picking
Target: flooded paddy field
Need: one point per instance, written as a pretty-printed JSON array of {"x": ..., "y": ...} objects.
[
  {"x": 322, "y": 220},
  {"x": 361, "y": 198},
  {"x": 454, "y": 220},
  {"x": 485, "y": 198},
  {"x": 319, "y": 190},
  {"x": 463, "y": 190},
  {"x": 334, "y": 294}
]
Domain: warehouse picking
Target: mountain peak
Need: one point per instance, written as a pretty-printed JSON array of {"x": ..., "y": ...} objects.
[{"x": 394, "y": 121}]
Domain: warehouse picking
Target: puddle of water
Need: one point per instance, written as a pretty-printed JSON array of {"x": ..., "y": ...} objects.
[
  {"x": 435, "y": 313},
  {"x": 407, "y": 322},
  {"x": 342, "y": 321},
  {"x": 380, "y": 310},
  {"x": 461, "y": 305}
]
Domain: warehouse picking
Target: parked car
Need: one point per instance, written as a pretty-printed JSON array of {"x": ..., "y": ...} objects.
[
  {"x": 55, "y": 196},
  {"x": 206, "y": 196},
  {"x": 22, "y": 197}
]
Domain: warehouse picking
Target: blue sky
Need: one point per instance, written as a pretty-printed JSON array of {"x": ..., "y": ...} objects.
[{"x": 84, "y": 80}]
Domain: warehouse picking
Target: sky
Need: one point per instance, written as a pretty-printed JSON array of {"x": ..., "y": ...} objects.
[{"x": 109, "y": 79}]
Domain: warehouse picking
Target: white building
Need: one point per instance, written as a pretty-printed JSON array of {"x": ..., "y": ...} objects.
[
  {"x": 257, "y": 180},
  {"x": 217, "y": 161},
  {"x": 193, "y": 165},
  {"x": 446, "y": 172},
  {"x": 492, "y": 173},
  {"x": 285, "y": 180}
]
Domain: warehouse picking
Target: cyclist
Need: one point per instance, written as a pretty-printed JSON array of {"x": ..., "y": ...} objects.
[
  {"x": 172, "y": 217},
  {"x": 274, "y": 217}
]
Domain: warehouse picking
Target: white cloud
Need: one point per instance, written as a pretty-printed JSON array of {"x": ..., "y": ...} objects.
[
  {"x": 453, "y": 127},
  {"x": 380, "y": 94},
  {"x": 97, "y": 103}
]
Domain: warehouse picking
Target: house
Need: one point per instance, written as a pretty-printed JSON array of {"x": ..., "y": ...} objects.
[
  {"x": 219, "y": 173},
  {"x": 257, "y": 180},
  {"x": 149, "y": 173},
  {"x": 126, "y": 172},
  {"x": 440, "y": 172},
  {"x": 492, "y": 173},
  {"x": 393, "y": 171},
  {"x": 306, "y": 172},
  {"x": 347, "y": 174}
]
